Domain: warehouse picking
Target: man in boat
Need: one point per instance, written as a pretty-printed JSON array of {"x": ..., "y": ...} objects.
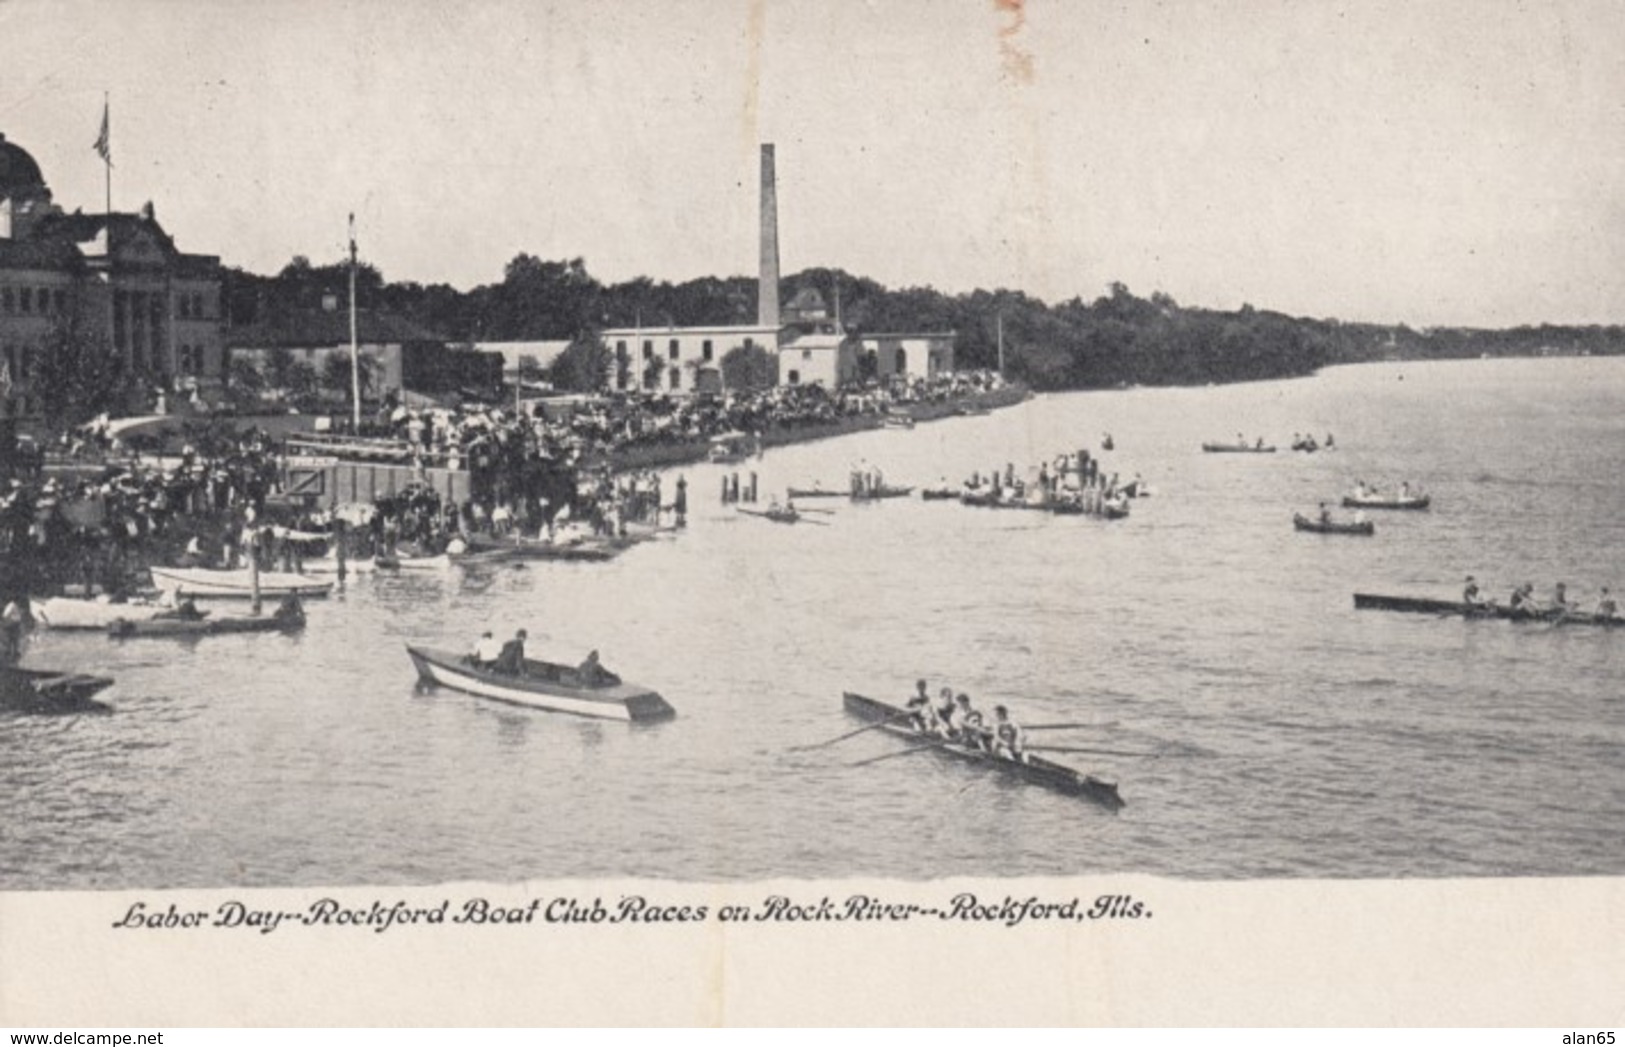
[
  {"x": 290, "y": 609},
  {"x": 1607, "y": 609},
  {"x": 1325, "y": 515},
  {"x": 1470, "y": 595},
  {"x": 593, "y": 673},
  {"x": 920, "y": 706},
  {"x": 947, "y": 718},
  {"x": 511, "y": 660},
  {"x": 972, "y": 731},
  {"x": 1559, "y": 608},
  {"x": 1519, "y": 603},
  {"x": 486, "y": 651},
  {"x": 1008, "y": 739}
]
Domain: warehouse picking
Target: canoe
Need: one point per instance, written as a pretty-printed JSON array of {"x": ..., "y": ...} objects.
[
  {"x": 1303, "y": 523},
  {"x": 273, "y": 622},
  {"x": 1424, "y": 605},
  {"x": 205, "y": 581},
  {"x": 814, "y": 492},
  {"x": 66, "y": 612},
  {"x": 1036, "y": 770},
  {"x": 49, "y": 691},
  {"x": 1238, "y": 449},
  {"x": 1419, "y": 501},
  {"x": 544, "y": 685}
]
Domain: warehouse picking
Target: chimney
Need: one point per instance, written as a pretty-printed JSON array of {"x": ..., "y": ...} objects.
[{"x": 767, "y": 291}]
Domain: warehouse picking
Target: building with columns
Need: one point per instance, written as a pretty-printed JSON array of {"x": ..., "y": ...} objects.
[{"x": 115, "y": 282}]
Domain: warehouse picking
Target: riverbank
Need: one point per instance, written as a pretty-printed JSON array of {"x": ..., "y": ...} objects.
[{"x": 687, "y": 452}]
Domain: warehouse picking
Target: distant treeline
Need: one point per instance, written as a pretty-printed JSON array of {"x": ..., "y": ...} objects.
[{"x": 1119, "y": 338}]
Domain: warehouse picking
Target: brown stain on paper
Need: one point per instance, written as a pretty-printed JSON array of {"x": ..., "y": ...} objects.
[{"x": 1017, "y": 60}]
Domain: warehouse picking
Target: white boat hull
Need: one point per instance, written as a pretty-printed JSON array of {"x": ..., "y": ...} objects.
[{"x": 202, "y": 581}]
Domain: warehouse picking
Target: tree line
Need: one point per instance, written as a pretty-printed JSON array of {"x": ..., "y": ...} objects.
[{"x": 1118, "y": 338}]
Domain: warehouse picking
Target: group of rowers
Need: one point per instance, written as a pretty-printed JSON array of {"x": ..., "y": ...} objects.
[
  {"x": 1523, "y": 602},
  {"x": 952, "y": 718}
]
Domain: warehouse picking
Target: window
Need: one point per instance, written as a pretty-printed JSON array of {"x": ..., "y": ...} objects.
[
  {"x": 184, "y": 307},
  {"x": 795, "y": 377},
  {"x": 30, "y": 362},
  {"x": 620, "y": 349},
  {"x": 42, "y": 301},
  {"x": 750, "y": 343},
  {"x": 706, "y": 351},
  {"x": 60, "y": 297},
  {"x": 25, "y": 301},
  {"x": 806, "y": 354},
  {"x": 648, "y": 349},
  {"x": 197, "y": 306},
  {"x": 671, "y": 349},
  {"x": 6, "y": 302},
  {"x": 675, "y": 377}
]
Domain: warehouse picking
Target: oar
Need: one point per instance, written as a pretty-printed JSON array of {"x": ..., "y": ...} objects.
[
  {"x": 902, "y": 752},
  {"x": 824, "y": 512},
  {"x": 815, "y": 523},
  {"x": 1057, "y": 726},
  {"x": 852, "y": 734},
  {"x": 1101, "y": 752}
]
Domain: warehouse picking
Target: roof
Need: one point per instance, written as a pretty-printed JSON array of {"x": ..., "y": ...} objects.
[
  {"x": 17, "y": 169},
  {"x": 656, "y": 332},
  {"x": 898, "y": 336},
  {"x": 318, "y": 327},
  {"x": 35, "y": 254}
]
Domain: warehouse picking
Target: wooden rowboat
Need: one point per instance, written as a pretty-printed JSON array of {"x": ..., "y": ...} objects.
[
  {"x": 1035, "y": 769},
  {"x": 48, "y": 691},
  {"x": 543, "y": 685},
  {"x": 68, "y": 612},
  {"x": 205, "y": 581},
  {"x": 1442, "y": 608},
  {"x": 1303, "y": 523},
  {"x": 285, "y": 620}
]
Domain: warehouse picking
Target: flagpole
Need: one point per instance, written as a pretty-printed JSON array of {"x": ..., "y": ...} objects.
[
  {"x": 355, "y": 362},
  {"x": 104, "y": 146}
]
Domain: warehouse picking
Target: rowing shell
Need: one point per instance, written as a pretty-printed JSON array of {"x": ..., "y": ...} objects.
[
  {"x": 1303, "y": 523},
  {"x": 1035, "y": 770},
  {"x": 1421, "y": 605}
]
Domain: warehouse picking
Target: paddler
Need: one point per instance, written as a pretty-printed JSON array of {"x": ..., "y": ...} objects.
[
  {"x": 1607, "y": 609},
  {"x": 1470, "y": 595},
  {"x": 1008, "y": 739}
]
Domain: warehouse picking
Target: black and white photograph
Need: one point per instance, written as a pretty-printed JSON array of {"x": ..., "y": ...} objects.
[{"x": 984, "y": 467}]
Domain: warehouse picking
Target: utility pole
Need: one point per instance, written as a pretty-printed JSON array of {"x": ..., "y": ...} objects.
[{"x": 355, "y": 349}]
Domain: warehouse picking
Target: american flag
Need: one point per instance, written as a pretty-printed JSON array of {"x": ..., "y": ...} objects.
[{"x": 104, "y": 141}]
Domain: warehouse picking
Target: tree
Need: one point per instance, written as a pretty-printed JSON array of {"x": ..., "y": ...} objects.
[
  {"x": 302, "y": 386},
  {"x": 336, "y": 373},
  {"x": 748, "y": 368},
  {"x": 77, "y": 379},
  {"x": 244, "y": 383},
  {"x": 583, "y": 366}
]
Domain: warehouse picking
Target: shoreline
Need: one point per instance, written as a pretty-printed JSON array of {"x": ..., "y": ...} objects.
[{"x": 689, "y": 452}]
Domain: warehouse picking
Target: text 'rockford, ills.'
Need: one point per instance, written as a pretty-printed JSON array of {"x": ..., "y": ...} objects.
[{"x": 1007, "y": 911}]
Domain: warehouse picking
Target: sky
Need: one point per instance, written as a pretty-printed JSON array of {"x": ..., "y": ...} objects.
[{"x": 1431, "y": 163}]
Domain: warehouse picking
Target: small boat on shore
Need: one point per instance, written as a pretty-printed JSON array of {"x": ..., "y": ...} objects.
[
  {"x": 1301, "y": 522},
  {"x": 1258, "y": 448},
  {"x": 238, "y": 584},
  {"x": 48, "y": 691},
  {"x": 542, "y": 685},
  {"x": 731, "y": 447},
  {"x": 1387, "y": 501},
  {"x": 897, "y": 420},
  {"x": 1034, "y": 769},
  {"x": 1447, "y": 608}
]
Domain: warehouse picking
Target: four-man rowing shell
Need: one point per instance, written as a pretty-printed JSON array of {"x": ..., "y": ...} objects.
[
  {"x": 1422, "y": 605},
  {"x": 1035, "y": 769},
  {"x": 543, "y": 685}
]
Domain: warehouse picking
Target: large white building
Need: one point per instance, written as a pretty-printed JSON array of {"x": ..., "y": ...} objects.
[{"x": 810, "y": 346}]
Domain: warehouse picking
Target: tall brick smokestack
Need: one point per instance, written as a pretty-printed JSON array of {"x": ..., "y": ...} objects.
[{"x": 767, "y": 290}]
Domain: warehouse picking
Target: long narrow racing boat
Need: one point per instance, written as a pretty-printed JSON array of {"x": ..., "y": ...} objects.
[
  {"x": 1423, "y": 605},
  {"x": 542, "y": 685},
  {"x": 1034, "y": 769},
  {"x": 1384, "y": 501},
  {"x": 1212, "y": 448}
]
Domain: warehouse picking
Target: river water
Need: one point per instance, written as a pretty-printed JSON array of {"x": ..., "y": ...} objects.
[{"x": 1284, "y": 733}]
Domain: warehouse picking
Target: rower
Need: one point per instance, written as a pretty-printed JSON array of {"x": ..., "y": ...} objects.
[
  {"x": 1607, "y": 609},
  {"x": 1519, "y": 602},
  {"x": 1007, "y": 736},
  {"x": 947, "y": 710},
  {"x": 920, "y": 706},
  {"x": 971, "y": 729},
  {"x": 1560, "y": 602},
  {"x": 1470, "y": 596},
  {"x": 592, "y": 671},
  {"x": 1325, "y": 514}
]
